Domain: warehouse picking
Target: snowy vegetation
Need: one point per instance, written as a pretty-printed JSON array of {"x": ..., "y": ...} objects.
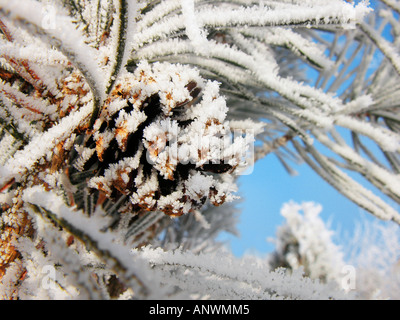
[{"x": 124, "y": 126}]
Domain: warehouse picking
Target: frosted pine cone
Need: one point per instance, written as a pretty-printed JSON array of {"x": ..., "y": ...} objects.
[{"x": 161, "y": 139}]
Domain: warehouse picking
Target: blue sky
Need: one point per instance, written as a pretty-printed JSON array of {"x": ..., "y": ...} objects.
[{"x": 269, "y": 186}]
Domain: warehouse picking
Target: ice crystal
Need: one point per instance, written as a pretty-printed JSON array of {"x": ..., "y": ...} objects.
[{"x": 158, "y": 137}]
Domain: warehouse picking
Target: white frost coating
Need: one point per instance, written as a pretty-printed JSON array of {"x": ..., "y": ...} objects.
[
  {"x": 158, "y": 13},
  {"x": 337, "y": 11},
  {"x": 65, "y": 33},
  {"x": 176, "y": 46},
  {"x": 316, "y": 117},
  {"x": 296, "y": 43},
  {"x": 365, "y": 198},
  {"x": 315, "y": 251},
  {"x": 134, "y": 265},
  {"x": 230, "y": 277},
  {"x": 46, "y": 57},
  {"x": 196, "y": 35},
  {"x": 359, "y": 104},
  {"x": 263, "y": 71},
  {"x": 387, "y": 48},
  {"x": 7, "y": 198},
  {"x": 187, "y": 129},
  {"x": 43, "y": 143},
  {"x": 198, "y": 184},
  {"x": 8, "y": 146},
  {"x": 132, "y": 13},
  {"x": 31, "y": 106},
  {"x": 84, "y": 155},
  {"x": 389, "y": 180},
  {"x": 374, "y": 248},
  {"x": 388, "y": 140},
  {"x": 247, "y": 124},
  {"x": 393, "y": 4}
]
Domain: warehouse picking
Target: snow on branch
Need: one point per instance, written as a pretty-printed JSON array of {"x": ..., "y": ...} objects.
[
  {"x": 31, "y": 106},
  {"x": 125, "y": 28},
  {"x": 387, "y": 181},
  {"x": 395, "y": 5},
  {"x": 193, "y": 30},
  {"x": 342, "y": 182},
  {"x": 31, "y": 52},
  {"x": 304, "y": 241},
  {"x": 65, "y": 282},
  {"x": 265, "y": 72},
  {"x": 43, "y": 143},
  {"x": 390, "y": 52},
  {"x": 119, "y": 257},
  {"x": 387, "y": 139},
  {"x": 301, "y": 46},
  {"x": 336, "y": 12},
  {"x": 228, "y": 278},
  {"x": 63, "y": 35}
]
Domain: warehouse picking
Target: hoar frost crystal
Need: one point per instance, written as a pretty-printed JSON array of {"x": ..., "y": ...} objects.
[{"x": 161, "y": 140}]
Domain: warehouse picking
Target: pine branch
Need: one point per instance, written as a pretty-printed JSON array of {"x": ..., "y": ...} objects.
[
  {"x": 30, "y": 17},
  {"x": 255, "y": 283},
  {"x": 122, "y": 11},
  {"x": 118, "y": 257}
]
